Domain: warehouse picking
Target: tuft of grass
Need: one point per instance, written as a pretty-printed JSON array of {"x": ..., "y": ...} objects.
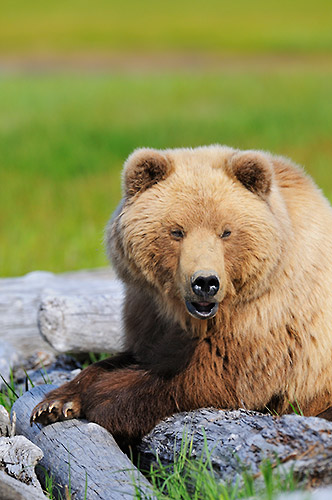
[
  {"x": 187, "y": 478},
  {"x": 50, "y": 488},
  {"x": 296, "y": 408},
  {"x": 9, "y": 394},
  {"x": 94, "y": 358}
]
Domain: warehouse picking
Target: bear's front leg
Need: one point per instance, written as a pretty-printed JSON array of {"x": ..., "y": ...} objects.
[
  {"x": 66, "y": 401},
  {"x": 131, "y": 401},
  {"x": 128, "y": 402}
]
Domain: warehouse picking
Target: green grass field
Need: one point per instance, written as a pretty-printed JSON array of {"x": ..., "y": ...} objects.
[
  {"x": 64, "y": 139},
  {"x": 64, "y": 136},
  {"x": 218, "y": 25}
]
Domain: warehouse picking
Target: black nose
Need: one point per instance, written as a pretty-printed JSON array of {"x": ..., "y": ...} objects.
[{"x": 205, "y": 284}]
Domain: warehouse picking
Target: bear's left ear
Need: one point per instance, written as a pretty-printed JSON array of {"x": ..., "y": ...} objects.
[
  {"x": 253, "y": 170},
  {"x": 143, "y": 169}
]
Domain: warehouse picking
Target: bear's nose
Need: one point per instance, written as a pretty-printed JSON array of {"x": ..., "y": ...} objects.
[{"x": 205, "y": 283}]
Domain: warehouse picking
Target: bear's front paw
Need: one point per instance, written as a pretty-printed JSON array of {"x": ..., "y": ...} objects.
[{"x": 55, "y": 409}]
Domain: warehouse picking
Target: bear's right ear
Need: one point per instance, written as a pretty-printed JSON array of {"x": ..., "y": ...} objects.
[{"x": 143, "y": 169}]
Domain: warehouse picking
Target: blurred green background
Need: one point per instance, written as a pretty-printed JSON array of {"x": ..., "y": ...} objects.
[{"x": 84, "y": 83}]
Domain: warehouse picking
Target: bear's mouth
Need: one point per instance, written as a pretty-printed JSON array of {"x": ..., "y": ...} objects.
[{"x": 202, "y": 310}]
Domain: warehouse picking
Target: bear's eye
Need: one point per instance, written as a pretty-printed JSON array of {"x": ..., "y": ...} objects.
[
  {"x": 226, "y": 233},
  {"x": 177, "y": 234}
]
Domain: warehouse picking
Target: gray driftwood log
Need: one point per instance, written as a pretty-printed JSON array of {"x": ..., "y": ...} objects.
[
  {"x": 66, "y": 322},
  {"x": 18, "y": 457},
  {"x": 238, "y": 440},
  {"x": 5, "y": 424},
  {"x": 13, "y": 489},
  {"x": 83, "y": 323},
  {"x": 83, "y": 450}
]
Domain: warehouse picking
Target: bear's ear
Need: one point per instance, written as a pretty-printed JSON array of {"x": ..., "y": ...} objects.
[
  {"x": 253, "y": 170},
  {"x": 143, "y": 169}
]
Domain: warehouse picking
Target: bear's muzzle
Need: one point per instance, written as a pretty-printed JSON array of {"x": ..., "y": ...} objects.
[{"x": 205, "y": 285}]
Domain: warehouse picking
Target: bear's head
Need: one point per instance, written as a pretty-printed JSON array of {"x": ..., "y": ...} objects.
[{"x": 198, "y": 228}]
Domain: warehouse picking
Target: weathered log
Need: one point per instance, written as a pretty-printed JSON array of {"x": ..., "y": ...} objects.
[
  {"x": 12, "y": 489},
  {"x": 20, "y": 300},
  {"x": 18, "y": 456},
  {"x": 83, "y": 323},
  {"x": 9, "y": 356},
  {"x": 81, "y": 454},
  {"x": 238, "y": 440},
  {"x": 5, "y": 424}
]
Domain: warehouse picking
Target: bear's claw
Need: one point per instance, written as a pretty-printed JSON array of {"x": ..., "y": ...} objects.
[
  {"x": 67, "y": 407},
  {"x": 54, "y": 410}
]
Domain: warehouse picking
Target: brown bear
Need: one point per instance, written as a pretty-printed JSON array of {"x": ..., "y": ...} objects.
[{"x": 226, "y": 257}]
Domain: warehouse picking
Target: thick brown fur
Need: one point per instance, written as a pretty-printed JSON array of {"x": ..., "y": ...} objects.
[{"x": 258, "y": 223}]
